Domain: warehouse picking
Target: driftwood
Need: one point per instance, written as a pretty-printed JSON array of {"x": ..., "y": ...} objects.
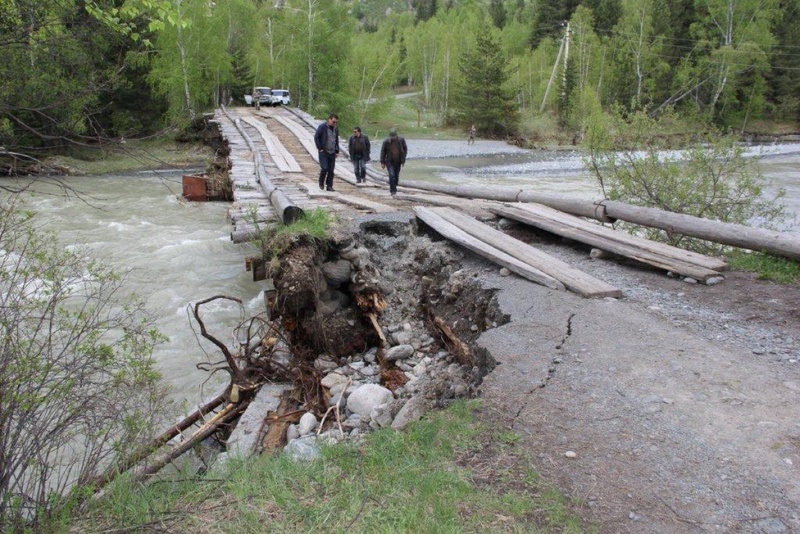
[
  {"x": 141, "y": 454},
  {"x": 709, "y": 262},
  {"x": 457, "y": 235},
  {"x": 574, "y": 279},
  {"x": 227, "y": 415}
]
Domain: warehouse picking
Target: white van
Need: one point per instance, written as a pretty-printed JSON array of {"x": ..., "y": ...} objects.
[{"x": 281, "y": 96}]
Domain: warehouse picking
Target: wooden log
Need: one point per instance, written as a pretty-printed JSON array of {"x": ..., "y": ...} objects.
[
  {"x": 248, "y": 232},
  {"x": 228, "y": 414},
  {"x": 573, "y": 279},
  {"x": 786, "y": 244},
  {"x": 709, "y": 262},
  {"x": 457, "y": 235},
  {"x": 670, "y": 264}
]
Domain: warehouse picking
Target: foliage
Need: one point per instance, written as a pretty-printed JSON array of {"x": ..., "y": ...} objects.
[
  {"x": 77, "y": 383},
  {"x": 483, "y": 95},
  {"x": 768, "y": 267},
  {"x": 410, "y": 481},
  {"x": 276, "y": 241},
  {"x": 712, "y": 178},
  {"x": 87, "y": 72}
]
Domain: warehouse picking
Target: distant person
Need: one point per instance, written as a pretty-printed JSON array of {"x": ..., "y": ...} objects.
[
  {"x": 393, "y": 157},
  {"x": 473, "y": 131},
  {"x": 256, "y": 99},
  {"x": 358, "y": 147},
  {"x": 327, "y": 140}
]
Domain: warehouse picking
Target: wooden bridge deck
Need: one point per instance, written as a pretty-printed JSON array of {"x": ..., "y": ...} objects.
[{"x": 272, "y": 152}]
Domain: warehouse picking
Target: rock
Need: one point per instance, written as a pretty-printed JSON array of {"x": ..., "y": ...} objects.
[
  {"x": 598, "y": 254},
  {"x": 337, "y": 272},
  {"x": 381, "y": 415},
  {"x": 399, "y": 352},
  {"x": 308, "y": 422},
  {"x": 570, "y": 454},
  {"x": 505, "y": 272},
  {"x": 333, "y": 379},
  {"x": 367, "y": 397},
  {"x": 690, "y": 280},
  {"x": 411, "y": 411},
  {"x": 303, "y": 449},
  {"x": 292, "y": 433},
  {"x": 714, "y": 280},
  {"x": 402, "y": 337}
]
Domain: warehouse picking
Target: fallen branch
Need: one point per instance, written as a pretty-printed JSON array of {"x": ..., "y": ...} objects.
[
  {"x": 228, "y": 414},
  {"x": 336, "y": 408},
  {"x": 236, "y": 373},
  {"x": 103, "y": 480}
]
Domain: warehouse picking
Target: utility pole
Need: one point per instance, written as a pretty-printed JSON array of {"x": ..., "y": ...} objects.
[
  {"x": 566, "y": 57},
  {"x": 564, "y": 46}
]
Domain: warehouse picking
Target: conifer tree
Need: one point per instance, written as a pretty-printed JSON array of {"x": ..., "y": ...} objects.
[{"x": 483, "y": 96}]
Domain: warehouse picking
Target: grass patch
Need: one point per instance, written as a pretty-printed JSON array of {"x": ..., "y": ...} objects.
[
  {"x": 411, "y": 119},
  {"x": 134, "y": 155},
  {"x": 414, "y": 481},
  {"x": 767, "y": 266}
]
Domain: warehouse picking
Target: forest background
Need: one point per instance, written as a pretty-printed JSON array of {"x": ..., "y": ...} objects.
[{"x": 78, "y": 73}]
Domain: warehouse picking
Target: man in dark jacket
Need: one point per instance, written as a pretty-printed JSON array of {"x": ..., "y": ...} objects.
[
  {"x": 327, "y": 140},
  {"x": 393, "y": 156},
  {"x": 358, "y": 147}
]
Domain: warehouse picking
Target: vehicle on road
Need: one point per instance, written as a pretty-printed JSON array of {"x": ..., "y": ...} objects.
[
  {"x": 281, "y": 97},
  {"x": 265, "y": 97}
]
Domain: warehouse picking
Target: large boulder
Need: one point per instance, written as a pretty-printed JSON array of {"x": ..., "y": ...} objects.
[{"x": 367, "y": 397}]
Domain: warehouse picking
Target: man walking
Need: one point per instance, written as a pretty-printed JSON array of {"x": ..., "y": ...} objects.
[
  {"x": 327, "y": 140},
  {"x": 358, "y": 147},
  {"x": 393, "y": 156}
]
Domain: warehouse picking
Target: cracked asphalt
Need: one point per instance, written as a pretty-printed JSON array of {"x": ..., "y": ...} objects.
[{"x": 673, "y": 431}]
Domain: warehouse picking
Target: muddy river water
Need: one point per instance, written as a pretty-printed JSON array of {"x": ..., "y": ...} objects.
[{"x": 179, "y": 253}]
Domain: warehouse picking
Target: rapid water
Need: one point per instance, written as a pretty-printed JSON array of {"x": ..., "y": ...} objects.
[{"x": 177, "y": 253}]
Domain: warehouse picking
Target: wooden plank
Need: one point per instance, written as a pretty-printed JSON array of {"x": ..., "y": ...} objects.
[
  {"x": 306, "y": 138},
  {"x": 282, "y": 158},
  {"x": 669, "y": 264},
  {"x": 709, "y": 262},
  {"x": 573, "y": 279},
  {"x": 457, "y": 235},
  {"x": 376, "y": 207}
]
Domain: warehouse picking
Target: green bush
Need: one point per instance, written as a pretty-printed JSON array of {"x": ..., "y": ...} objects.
[{"x": 711, "y": 178}]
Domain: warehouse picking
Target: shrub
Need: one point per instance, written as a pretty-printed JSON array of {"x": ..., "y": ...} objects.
[
  {"x": 712, "y": 178},
  {"x": 77, "y": 382}
]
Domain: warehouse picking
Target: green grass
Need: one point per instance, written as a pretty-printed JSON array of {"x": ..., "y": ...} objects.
[
  {"x": 440, "y": 475},
  {"x": 407, "y": 115},
  {"x": 767, "y": 267}
]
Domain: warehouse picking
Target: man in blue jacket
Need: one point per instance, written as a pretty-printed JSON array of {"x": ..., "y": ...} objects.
[{"x": 327, "y": 140}]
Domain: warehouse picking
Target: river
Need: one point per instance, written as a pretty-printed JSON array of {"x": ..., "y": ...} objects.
[{"x": 179, "y": 252}]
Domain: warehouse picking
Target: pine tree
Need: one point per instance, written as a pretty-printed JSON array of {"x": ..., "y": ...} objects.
[{"x": 483, "y": 96}]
